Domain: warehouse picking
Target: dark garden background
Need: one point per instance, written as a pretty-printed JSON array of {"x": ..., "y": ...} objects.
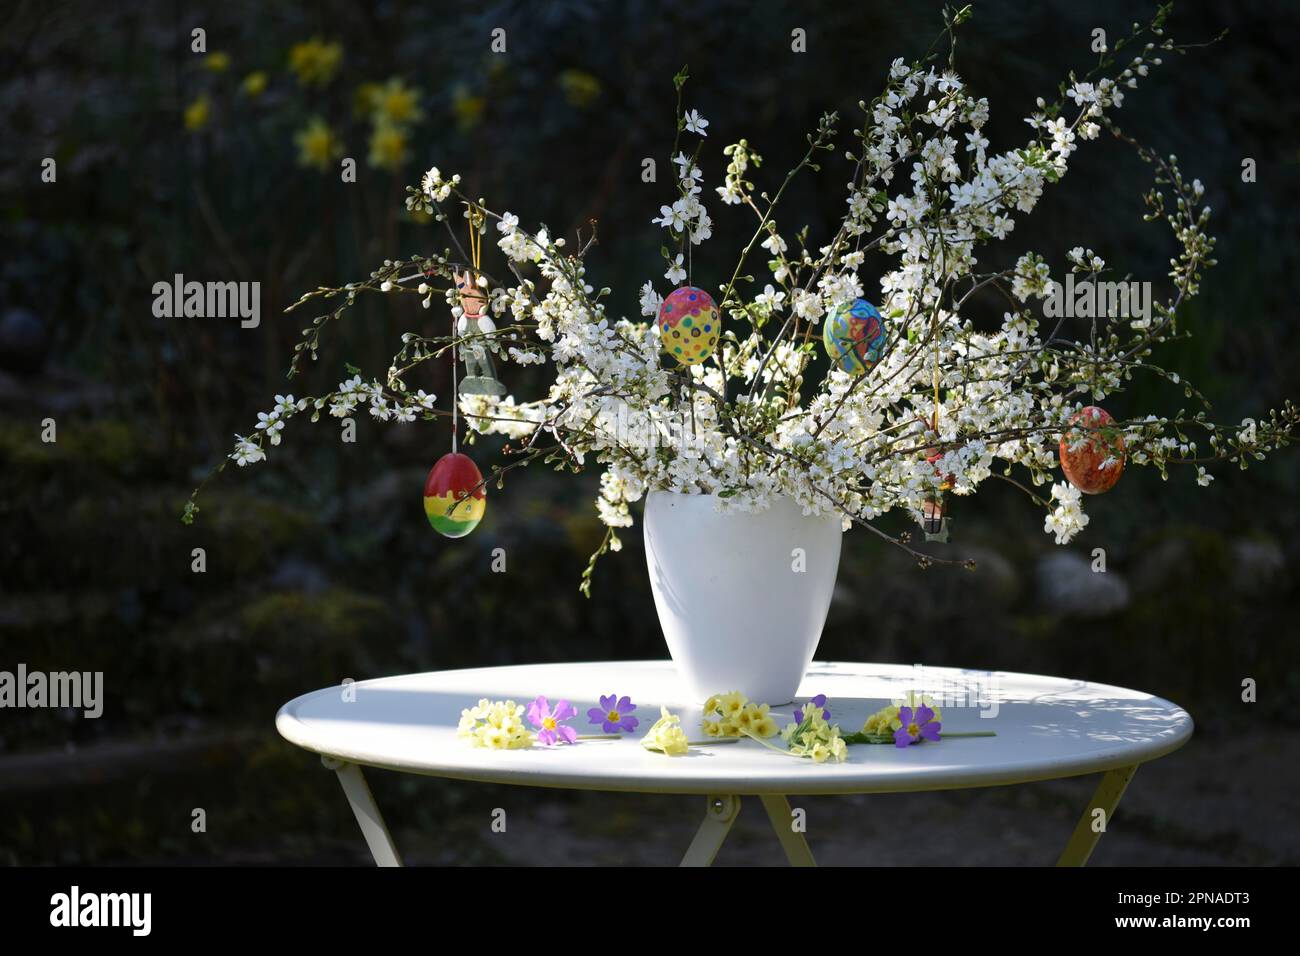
[{"x": 320, "y": 564}]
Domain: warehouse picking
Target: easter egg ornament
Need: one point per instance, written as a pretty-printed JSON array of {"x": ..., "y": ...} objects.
[
  {"x": 454, "y": 497},
  {"x": 934, "y": 512},
  {"x": 933, "y": 455},
  {"x": 854, "y": 336},
  {"x": 689, "y": 325},
  {"x": 1092, "y": 454},
  {"x": 934, "y": 519},
  {"x": 454, "y": 493}
]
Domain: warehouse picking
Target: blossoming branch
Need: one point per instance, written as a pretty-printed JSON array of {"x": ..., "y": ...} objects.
[{"x": 940, "y": 407}]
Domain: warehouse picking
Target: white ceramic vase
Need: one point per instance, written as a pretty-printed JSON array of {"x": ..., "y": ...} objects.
[{"x": 742, "y": 597}]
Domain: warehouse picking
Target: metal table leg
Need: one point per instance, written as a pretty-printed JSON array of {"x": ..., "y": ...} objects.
[
  {"x": 794, "y": 844},
  {"x": 367, "y": 813},
  {"x": 718, "y": 818},
  {"x": 1106, "y": 798},
  {"x": 721, "y": 814}
]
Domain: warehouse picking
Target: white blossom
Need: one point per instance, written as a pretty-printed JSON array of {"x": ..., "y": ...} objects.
[{"x": 695, "y": 123}]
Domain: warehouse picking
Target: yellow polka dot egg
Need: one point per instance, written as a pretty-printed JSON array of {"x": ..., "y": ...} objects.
[{"x": 689, "y": 325}]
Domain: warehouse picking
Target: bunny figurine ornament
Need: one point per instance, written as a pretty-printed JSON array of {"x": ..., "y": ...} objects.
[{"x": 480, "y": 376}]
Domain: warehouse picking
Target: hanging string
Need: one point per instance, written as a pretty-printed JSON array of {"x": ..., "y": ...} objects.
[
  {"x": 936, "y": 372},
  {"x": 475, "y": 240},
  {"x": 455, "y": 399},
  {"x": 936, "y": 393},
  {"x": 935, "y": 422},
  {"x": 471, "y": 283}
]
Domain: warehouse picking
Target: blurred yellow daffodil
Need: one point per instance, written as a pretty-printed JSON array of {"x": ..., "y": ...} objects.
[
  {"x": 388, "y": 147},
  {"x": 365, "y": 98},
  {"x": 254, "y": 84},
  {"x": 467, "y": 107},
  {"x": 396, "y": 103},
  {"x": 314, "y": 61},
  {"x": 581, "y": 89},
  {"x": 197, "y": 113},
  {"x": 318, "y": 147}
]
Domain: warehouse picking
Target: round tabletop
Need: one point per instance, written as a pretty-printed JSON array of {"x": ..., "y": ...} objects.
[{"x": 1046, "y": 727}]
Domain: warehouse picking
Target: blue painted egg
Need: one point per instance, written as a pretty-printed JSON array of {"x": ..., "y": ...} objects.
[{"x": 854, "y": 336}]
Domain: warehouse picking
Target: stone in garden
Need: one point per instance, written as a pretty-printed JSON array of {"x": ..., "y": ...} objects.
[
  {"x": 24, "y": 341},
  {"x": 1068, "y": 586}
]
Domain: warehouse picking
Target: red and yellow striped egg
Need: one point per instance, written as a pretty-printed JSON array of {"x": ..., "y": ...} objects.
[{"x": 454, "y": 497}]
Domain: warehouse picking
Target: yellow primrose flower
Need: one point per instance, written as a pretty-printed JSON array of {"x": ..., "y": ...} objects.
[
  {"x": 913, "y": 699},
  {"x": 197, "y": 113},
  {"x": 666, "y": 735},
  {"x": 883, "y": 721},
  {"x": 217, "y": 61},
  {"x": 496, "y": 725},
  {"x": 673, "y": 742},
  {"x": 819, "y": 739},
  {"x": 735, "y": 716},
  {"x": 394, "y": 102},
  {"x": 318, "y": 147},
  {"x": 751, "y": 715},
  {"x": 505, "y": 714},
  {"x": 732, "y": 703},
  {"x": 580, "y": 88},
  {"x": 254, "y": 84},
  {"x": 816, "y": 724},
  {"x": 387, "y": 147},
  {"x": 314, "y": 61}
]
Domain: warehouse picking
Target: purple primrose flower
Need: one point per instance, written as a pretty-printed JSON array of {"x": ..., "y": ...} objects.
[
  {"x": 614, "y": 714},
  {"x": 818, "y": 701},
  {"x": 917, "y": 726},
  {"x": 550, "y": 730}
]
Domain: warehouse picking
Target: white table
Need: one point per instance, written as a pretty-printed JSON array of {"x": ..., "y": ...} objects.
[{"x": 1046, "y": 728}]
